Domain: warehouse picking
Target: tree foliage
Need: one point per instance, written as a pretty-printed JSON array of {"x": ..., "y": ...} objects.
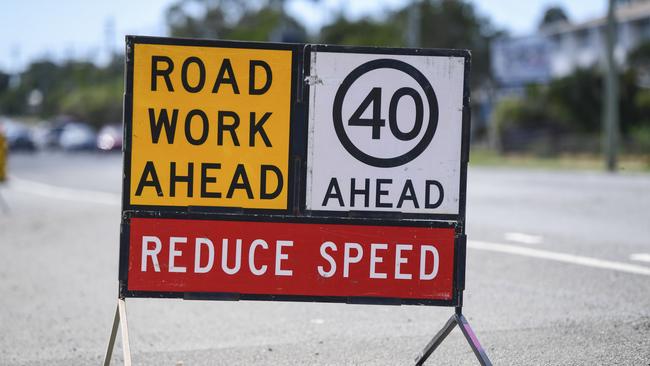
[
  {"x": 553, "y": 15},
  {"x": 232, "y": 19},
  {"x": 362, "y": 32},
  {"x": 4, "y": 81},
  {"x": 640, "y": 56},
  {"x": 443, "y": 24},
  {"x": 201, "y": 19},
  {"x": 572, "y": 106},
  {"x": 76, "y": 88}
]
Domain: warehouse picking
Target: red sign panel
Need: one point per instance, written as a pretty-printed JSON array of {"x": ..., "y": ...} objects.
[{"x": 297, "y": 259}]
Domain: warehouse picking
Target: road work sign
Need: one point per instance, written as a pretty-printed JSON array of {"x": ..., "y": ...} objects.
[
  {"x": 294, "y": 172},
  {"x": 210, "y": 126}
]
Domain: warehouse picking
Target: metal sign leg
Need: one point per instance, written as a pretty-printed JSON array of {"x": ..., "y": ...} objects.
[
  {"x": 120, "y": 316},
  {"x": 456, "y": 319},
  {"x": 436, "y": 341},
  {"x": 111, "y": 341},
  {"x": 472, "y": 340}
]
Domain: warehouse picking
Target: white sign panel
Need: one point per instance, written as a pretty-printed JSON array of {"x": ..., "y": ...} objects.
[{"x": 385, "y": 133}]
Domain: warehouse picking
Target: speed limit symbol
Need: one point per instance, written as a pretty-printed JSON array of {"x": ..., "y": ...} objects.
[
  {"x": 374, "y": 100},
  {"x": 385, "y": 132}
]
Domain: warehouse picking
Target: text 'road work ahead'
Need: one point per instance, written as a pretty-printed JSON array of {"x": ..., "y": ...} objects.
[{"x": 210, "y": 127}]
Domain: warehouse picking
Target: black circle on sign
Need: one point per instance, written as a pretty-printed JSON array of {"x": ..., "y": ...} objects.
[{"x": 338, "y": 109}]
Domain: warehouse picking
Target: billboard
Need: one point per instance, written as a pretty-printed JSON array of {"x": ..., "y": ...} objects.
[{"x": 520, "y": 61}]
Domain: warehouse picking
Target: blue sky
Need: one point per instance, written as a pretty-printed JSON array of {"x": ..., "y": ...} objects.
[{"x": 34, "y": 29}]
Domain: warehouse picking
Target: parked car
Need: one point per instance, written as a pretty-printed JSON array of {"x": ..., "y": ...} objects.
[
  {"x": 77, "y": 136},
  {"x": 110, "y": 137},
  {"x": 47, "y": 136},
  {"x": 18, "y": 136}
]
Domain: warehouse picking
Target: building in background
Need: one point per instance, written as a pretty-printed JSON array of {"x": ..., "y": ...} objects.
[{"x": 560, "y": 48}]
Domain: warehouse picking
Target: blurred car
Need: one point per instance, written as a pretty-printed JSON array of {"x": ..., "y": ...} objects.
[
  {"x": 77, "y": 136},
  {"x": 18, "y": 136},
  {"x": 110, "y": 137},
  {"x": 50, "y": 136}
]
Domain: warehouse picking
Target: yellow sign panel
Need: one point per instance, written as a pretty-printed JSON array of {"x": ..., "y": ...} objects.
[{"x": 210, "y": 126}]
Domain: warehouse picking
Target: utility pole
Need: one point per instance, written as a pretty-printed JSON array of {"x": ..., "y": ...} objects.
[
  {"x": 414, "y": 25},
  {"x": 277, "y": 35},
  {"x": 109, "y": 38},
  {"x": 610, "y": 110}
]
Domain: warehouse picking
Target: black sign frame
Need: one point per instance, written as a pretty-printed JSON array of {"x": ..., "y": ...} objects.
[{"x": 296, "y": 181}]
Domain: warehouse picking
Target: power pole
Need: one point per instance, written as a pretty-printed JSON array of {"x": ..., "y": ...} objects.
[
  {"x": 414, "y": 25},
  {"x": 109, "y": 38},
  {"x": 278, "y": 33},
  {"x": 610, "y": 110}
]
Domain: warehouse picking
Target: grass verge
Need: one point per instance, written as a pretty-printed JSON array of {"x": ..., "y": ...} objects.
[{"x": 626, "y": 163}]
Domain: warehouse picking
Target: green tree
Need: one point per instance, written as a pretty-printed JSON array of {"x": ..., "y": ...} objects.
[
  {"x": 77, "y": 88},
  {"x": 231, "y": 19},
  {"x": 202, "y": 18},
  {"x": 553, "y": 15},
  {"x": 640, "y": 56},
  {"x": 362, "y": 32},
  {"x": 456, "y": 24},
  {"x": 268, "y": 24},
  {"x": 443, "y": 24},
  {"x": 572, "y": 105},
  {"x": 4, "y": 81},
  {"x": 576, "y": 101}
]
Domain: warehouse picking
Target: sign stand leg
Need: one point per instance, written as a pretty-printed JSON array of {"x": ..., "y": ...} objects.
[
  {"x": 463, "y": 324},
  {"x": 111, "y": 341},
  {"x": 120, "y": 316}
]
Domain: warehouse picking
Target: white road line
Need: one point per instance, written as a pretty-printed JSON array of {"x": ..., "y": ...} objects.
[
  {"x": 62, "y": 193},
  {"x": 111, "y": 199},
  {"x": 559, "y": 257},
  {"x": 523, "y": 238},
  {"x": 641, "y": 257}
]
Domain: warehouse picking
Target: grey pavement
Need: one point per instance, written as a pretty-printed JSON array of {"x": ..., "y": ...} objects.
[{"x": 58, "y": 282}]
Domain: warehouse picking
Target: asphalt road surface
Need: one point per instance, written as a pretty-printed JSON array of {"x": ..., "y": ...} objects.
[{"x": 558, "y": 274}]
